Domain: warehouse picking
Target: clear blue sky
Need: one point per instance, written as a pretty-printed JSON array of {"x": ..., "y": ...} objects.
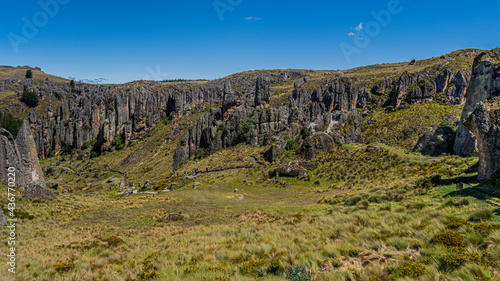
[{"x": 131, "y": 40}]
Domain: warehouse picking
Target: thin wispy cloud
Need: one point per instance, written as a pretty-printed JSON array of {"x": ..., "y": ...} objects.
[
  {"x": 360, "y": 26},
  {"x": 360, "y": 38},
  {"x": 252, "y": 18},
  {"x": 351, "y": 34}
]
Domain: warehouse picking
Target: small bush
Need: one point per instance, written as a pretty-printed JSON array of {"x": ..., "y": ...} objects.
[
  {"x": 448, "y": 238},
  {"x": 30, "y": 98},
  {"x": 353, "y": 200},
  {"x": 485, "y": 229},
  {"x": 408, "y": 269},
  {"x": 453, "y": 258},
  {"x": 481, "y": 215},
  {"x": 297, "y": 273},
  {"x": 455, "y": 223},
  {"x": 292, "y": 145},
  {"x": 113, "y": 241},
  {"x": 462, "y": 202},
  {"x": 364, "y": 204},
  {"x": 64, "y": 267}
]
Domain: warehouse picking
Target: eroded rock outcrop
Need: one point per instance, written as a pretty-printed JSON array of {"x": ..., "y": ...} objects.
[
  {"x": 9, "y": 157},
  {"x": 20, "y": 153},
  {"x": 484, "y": 85},
  {"x": 30, "y": 169},
  {"x": 484, "y": 122}
]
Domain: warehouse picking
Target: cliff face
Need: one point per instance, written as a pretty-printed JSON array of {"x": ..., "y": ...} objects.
[
  {"x": 484, "y": 85},
  {"x": 484, "y": 122},
  {"x": 21, "y": 154}
]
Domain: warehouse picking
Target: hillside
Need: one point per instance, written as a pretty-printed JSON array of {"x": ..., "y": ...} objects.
[
  {"x": 19, "y": 72},
  {"x": 263, "y": 175}
]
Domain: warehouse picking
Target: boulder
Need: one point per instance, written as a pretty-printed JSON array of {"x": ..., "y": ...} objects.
[
  {"x": 276, "y": 150},
  {"x": 128, "y": 192},
  {"x": 291, "y": 171},
  {"x": 173, "y": 217},
  {"x": 436, "y": 143},
  {"x": 484, "y": 122},
  {"x": 196, "y": 185},
  {"x": 37, "y": 190},
  {"x": 147, "y": 185},
  {"x": 52, "y": 184},
  {"x": 317, "y": 142}
]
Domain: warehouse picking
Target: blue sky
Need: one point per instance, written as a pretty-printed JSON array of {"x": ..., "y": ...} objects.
[{"x": 131, "y": 40}]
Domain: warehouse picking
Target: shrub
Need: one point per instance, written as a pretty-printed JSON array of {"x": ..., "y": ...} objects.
[
  {"x": 485, "y": 229},
  {"x": 364, "y": 204},
  {"x": 10, "y": 123},
  {"x": 86, "y": 145},
  {"x": 64, "y": 267},
  {"x": 353, "y": 200},
  {"x": 454, "y": 222},
  {"x": 297, "y": 273},
  {"x": 462, "y": 202},
  {"x": 29, "y": 74},
  {"x": 481, "y": 215},
  {"x": 292, "y": 145},
  {"x": 453, "y": 258},
  {"x": 448, "y": 238},
  {"x": 30, "y": 98},
  {"x": 113, "y": 241},
  {"x": 118, "y": 141},
  {"x": 408, "y": 269}
]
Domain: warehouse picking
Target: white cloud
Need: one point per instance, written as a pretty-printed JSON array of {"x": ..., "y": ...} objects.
[
  {"x": 351, "y": 34},
  {"x": 360, "y": 26},
  {"x": 360, "y": 38},
  {"x": 252, "y": 18}
]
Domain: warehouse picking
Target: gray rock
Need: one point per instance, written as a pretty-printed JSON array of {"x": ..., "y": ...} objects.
[
  {"x": 148, "y": 185},
  {"x": 3, "y": 221},
  {"x": 484, "y": 85},
  {"x": 292, "y": 171},
  {"x": 196, "y": 185},
  {"x": 173, "y": 217},
  {"x": 276, "y": 150},
  {"x": 38, "y": 190},
  {"x": 436, "y": 143},
  {"x": 128, "y": 192},
  {"x": 9, "y": 157},
  {"x": 484, "y": 122},
  {"x": 317, "y": 142},
  {"x": 52, "y": 184},
  {"x": 262, "y": 91}
]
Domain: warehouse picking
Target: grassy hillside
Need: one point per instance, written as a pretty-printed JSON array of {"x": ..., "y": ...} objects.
[{"x": 16, "y": 73}]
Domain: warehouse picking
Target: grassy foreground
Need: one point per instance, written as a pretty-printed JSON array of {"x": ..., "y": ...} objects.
[{"x": 364, "y": 215}]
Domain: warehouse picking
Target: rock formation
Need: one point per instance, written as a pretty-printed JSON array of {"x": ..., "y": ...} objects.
[
  {"x": 331, "y": 107},
  {"x": 37, "y": 190},
  {"x": 9, "y": 157},
  {"x": 30, "y": 169},
  {"x": 484, "y": 122},
  {"x": 3, "y": 221},
  {"x": 21, "y": 154},
  {"x": 262, "y": 91},
  {"x": 484, "y": 84}
]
